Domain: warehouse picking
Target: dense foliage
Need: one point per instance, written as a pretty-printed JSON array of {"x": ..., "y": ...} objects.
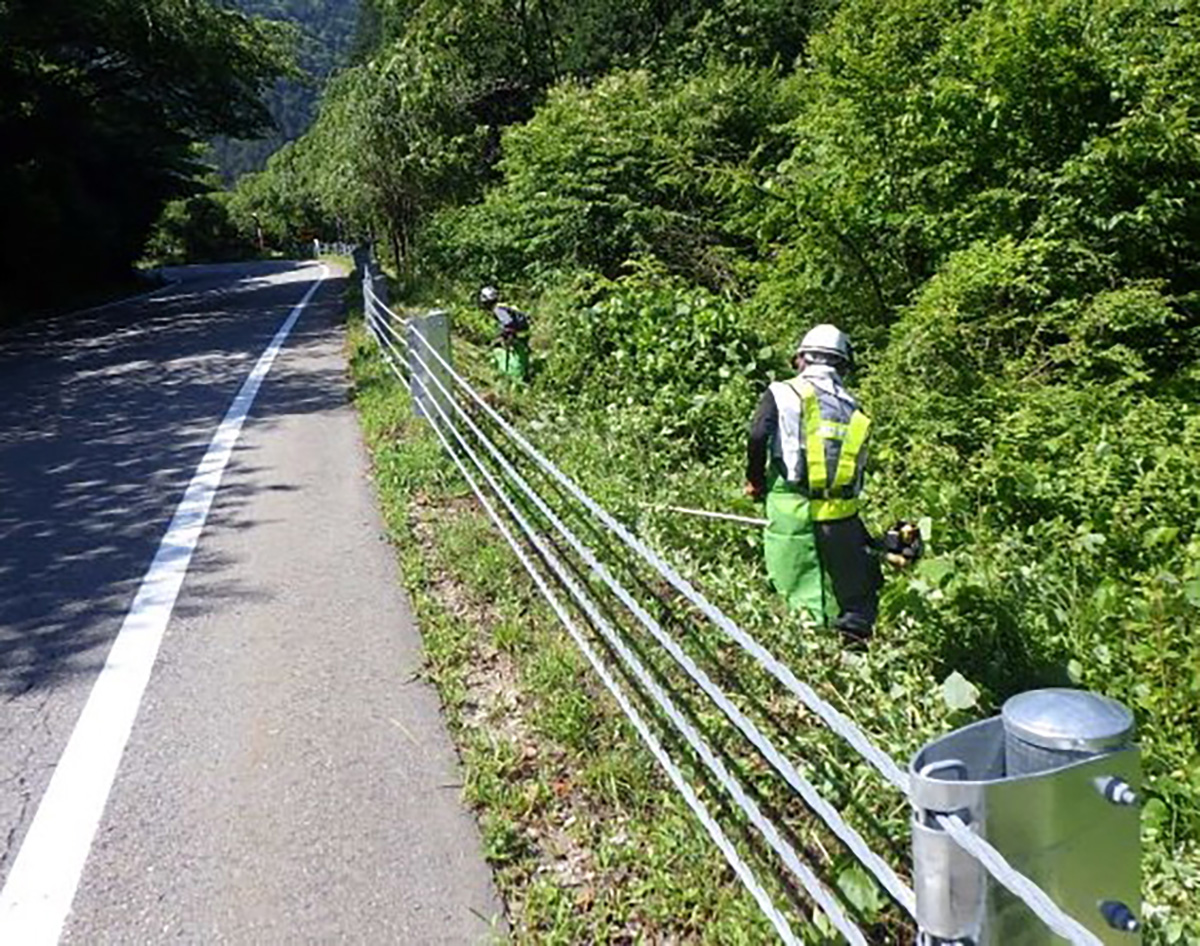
[
  {"x": 100, "y": 104},
  {"x": 414, "y": 126},
  {"x": 997, "y": 198}
]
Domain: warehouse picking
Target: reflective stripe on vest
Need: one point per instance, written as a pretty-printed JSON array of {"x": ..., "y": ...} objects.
[
  {"x": 857, "y": 432},
  {"x": 830, "y": 510}
]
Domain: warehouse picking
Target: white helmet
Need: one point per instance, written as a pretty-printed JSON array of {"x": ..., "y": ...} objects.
[
  {"x": 489, "y": 295},
  {"x": 828, "y": 341}
]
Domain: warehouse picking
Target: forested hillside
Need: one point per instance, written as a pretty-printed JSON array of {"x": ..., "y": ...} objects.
[
  {"x": 998, "y": 199},
  {"x": 101, "y": 104},
  {"x": 327, "y": 31}
]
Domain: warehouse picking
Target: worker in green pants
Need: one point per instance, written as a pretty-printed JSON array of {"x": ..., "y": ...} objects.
[
  {"x": 805, "y": 458},
  {"x": 511, "y": 354}
]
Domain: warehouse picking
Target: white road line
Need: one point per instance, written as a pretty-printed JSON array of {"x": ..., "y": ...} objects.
[{"x": 38, "y": 893}]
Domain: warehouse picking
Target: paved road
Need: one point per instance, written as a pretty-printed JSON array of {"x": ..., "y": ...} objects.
[{"x": 285, "y": 779}]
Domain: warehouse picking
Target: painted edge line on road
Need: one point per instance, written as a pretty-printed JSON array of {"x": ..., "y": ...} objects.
[{"x": 41, "y": 886}]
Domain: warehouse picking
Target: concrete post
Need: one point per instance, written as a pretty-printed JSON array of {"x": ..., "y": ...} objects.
[
  {"x": 362, "y": 258},
  {"x": 379, "y": 284}
]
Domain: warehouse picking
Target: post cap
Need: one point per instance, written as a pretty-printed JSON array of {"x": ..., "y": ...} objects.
[{"x": 1068, "y": 720}]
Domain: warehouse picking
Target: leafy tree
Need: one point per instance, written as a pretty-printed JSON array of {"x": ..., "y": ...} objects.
[
  {"x": 101, "y": 103},
  {"x": 625, "y": 167},
  {"x": 929, "y": 125},
  {"x": 197, "y": 229},
  {"x": 279, "y": 209},
  {"x": 395, "y": 142}
]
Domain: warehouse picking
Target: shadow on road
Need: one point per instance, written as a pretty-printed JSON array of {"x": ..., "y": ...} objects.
[{"x": 103, "y": 420}]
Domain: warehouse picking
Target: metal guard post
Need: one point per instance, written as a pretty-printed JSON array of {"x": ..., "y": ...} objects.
[
  {"x": 434, "y": 327},
  {"x": 1052, "y": 785}
]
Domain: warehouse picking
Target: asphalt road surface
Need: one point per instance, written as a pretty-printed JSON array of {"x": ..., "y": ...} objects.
[{"x": 255, "y": 760}]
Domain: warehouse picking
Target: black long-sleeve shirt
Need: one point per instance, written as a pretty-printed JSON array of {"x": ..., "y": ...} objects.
[{"x": 762, "y": 429}]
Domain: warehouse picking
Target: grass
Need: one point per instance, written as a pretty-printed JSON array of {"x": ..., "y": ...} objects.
[{"x": 587, "y": 840}]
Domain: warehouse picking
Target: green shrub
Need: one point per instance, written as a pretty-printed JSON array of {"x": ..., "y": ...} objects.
[
  {"x": 627, "y": 167},
  {"x": 198, "y": 230},
  {"x": 1043, "y": 414},
  {"x": 998, "y": 199},
  {"x": 652, "y": 352}
]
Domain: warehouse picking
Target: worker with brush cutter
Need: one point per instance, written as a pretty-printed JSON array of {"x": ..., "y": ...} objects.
[
  {"x": 511, "y": 354},
  {"x": 805, "y": 458}
]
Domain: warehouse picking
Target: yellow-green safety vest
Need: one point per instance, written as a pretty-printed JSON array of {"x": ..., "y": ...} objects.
[{"x": 831, "y": 449}]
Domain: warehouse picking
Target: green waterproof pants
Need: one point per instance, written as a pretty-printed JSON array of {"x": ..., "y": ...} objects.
[
  {"x": 513, "y": 360},
  {"x": 793, "y": 563}
]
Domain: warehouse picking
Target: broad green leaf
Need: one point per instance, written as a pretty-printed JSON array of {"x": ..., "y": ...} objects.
[
  {"x": 935, "y": 570},
  {"x": 1155, "y": 812},
  {"x": 861, "y": 891},
  {"x": 925, "y": 524},
  {"x": 1159, "y": 535},
  {"x": 959, "y": 692}
]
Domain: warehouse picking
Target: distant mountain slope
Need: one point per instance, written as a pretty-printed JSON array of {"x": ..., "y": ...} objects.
[{"x": 328, "y": 31}]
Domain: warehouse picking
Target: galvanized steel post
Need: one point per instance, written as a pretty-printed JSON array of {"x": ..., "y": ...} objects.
[
  {"x": 379, "y": 284},
  {"x": 430, "y": 378},
  {"x": 1052, "y": 784},
  {"x": 368, "y": 284},
  {"x": 361, "y": 255}
]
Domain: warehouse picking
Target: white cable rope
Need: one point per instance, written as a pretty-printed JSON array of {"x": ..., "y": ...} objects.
[
  {"x": 395, "y": 369},
  {"x": 369, "y": 293},
  {"x": 1034, "y": 897},
  {"x": 390, "y": 332},
  {"x": 836, "y": 721},
  {"x": 387, "y": 326},
  {"x": 383, "y": 340},
  {"x": 898, "y": 890},
  {"x": 368, "y": 308},
  {"x": 399, "y": 374},
  {"x": 391, "y": 320},
  {"x": 376, "y": 322},
  {"x": 676, "y": 776},
  {"x": 372, "y": 303},
  {"x": 811, "y": 883},
  {"x": 399, "y": 357}
]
